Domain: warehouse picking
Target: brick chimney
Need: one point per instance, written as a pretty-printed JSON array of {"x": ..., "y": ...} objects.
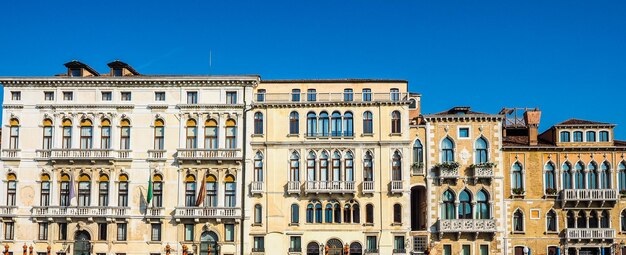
[{"x": 532, "y": 119}]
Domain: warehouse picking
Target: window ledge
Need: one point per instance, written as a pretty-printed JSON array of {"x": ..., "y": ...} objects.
[
  {"x": 294, "y": 224},
  {"x": 120, "y": 242},
  {"x": 367, "y": 135},
  {"x": 552, "y": 232},
  {"x": 396, "y": 224},
  {"x": 293, "y": 135},
  {"x": 395, "y": 134},
  {"x": 368, "y": 224},
  {"x": 257, "y": 224},
  {"x": 257, "y": 135},
  {"x": 153, "y": 242},
  {"x": 518, "y": 232}
]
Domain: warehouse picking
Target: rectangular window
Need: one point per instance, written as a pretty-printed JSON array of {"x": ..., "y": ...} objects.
[
  {"x": 45, "y": 194},
  {"x": 189, "y": 232},
  {"x": 106, "y": 137},
  {"x": 48, "y": 96},
  {"x": 230, "y": 195},
  {"x": 295, "y": 95},
  {"x": 62, "y": 231},
  {"x": 103, "y": 197},
  {"x": 16, "y": 95},
  {"x": 398, "y": 244},
  {"x": 159, "y": 96},
  {"x": 367, "y": 95},
  {"x": 76, "y": 72},
  {"x": 311, "y": 95},
  {"x": 295, "y": 244},
  {"x": 260, "y": 95},
  {"x": 192, "y": 97},
  {"x": 463, "y": 132},
  {"x": 43, "y": 231},
  {"x": 11, "y": 189},
  {"x": 348, "y": 95},
  {"x": 484, "y": 250},
  {"x": 122, "y": 198},
  {"x": 578, "y": 136},
  {"x": 190, "y": 194},
  {"x": 107, "y": 96},
  {"x": 447, "y": 249},
  {"x": 465, "y": 250},
  {"x": 126, "y": 96},
  {"x": 157, "y": 194},
  {"x": 371, "y": 245},
  {"x": 121, "y": 231},
  {"x": 231, "y": 97},
  {"x": 156, "y": 232},
  {"x": 68, "y": 95},
  {"x": 102, "y": 231},
  {"x": 395, "y": 95},
  {"x": 229, "y": 232},
  {"x": 8, "y": 230},
  {"x": 84, "y": 193},
  {"x": 64, "y": 198},
  {"x": 259, "y": 244},
  {"x": 117, "y": 72}
]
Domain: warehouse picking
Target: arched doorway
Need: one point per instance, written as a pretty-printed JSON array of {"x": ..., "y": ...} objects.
[
  {"x": 418, "y": 208},
  {"x": 82, "y": 245},
  {"x": 356, "y": 248},
  {"x": 335, "y": 247},
  {"x": 312, "y": 249},
  {"x": 208, "y": 243}
]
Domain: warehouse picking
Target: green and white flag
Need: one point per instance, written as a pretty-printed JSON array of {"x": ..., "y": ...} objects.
[{"x": 149, "y": 197}]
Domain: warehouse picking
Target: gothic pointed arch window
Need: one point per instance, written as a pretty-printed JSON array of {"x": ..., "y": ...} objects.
[
  {"x": 318, "y": 212},
  {"x": 482, "y": 205},
  {"x": 448, "y": 210},
  {"x": 567, "y": 175},
  {"x": 605, "y": 219},
  {"x": 337, "y": 175},
  {"x": 594, "y": 219},
  {"x": 571, "y": 219},
  {"x": 447, "y": 150},
  {"x": 579, "y": 176},
  {"x": 349, "y": 166},
  {"x": 592, "y": 175},
  {"x": 623, "y": 220},
  {"x": 324, "y": 171},
  {"x": 605, "y": 175},
  {"x": 311, "y": 173},
  {"x": 337, "y": 212},
  {"x": 549, "y": 178},
  {"x": 465, "y": 205},
  {"x": 581, "y": 221},
  {"x": 518, "y": 176},
  {"x": 621, "y": 170},
  {"x": 328, "y": 213},
  {"x": 368, "y": 167},
  {"x": 518, "y": 221},
  {"x": 551, "y": 221},
  {"x": 258, "y": 167},
  {"x": 482, "y": 153},
  {"x": 294, "y": 166},
  {"x": 418, "y": 153}
]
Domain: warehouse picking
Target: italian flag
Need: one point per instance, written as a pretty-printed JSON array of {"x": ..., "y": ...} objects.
[{"x": 149, "y": 196}]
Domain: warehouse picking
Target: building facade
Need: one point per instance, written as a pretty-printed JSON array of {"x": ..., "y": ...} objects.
[{"x": 124, "y": 163}]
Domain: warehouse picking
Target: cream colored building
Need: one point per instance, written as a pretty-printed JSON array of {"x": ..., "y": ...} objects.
[
  {"x": 331, "y": 170},
  {"x": 84, "y": 146}
]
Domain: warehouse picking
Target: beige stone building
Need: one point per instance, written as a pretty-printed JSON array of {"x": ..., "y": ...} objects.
[
  {"x": 331, "y": 172},
  {"x": 86, "y": 149}
]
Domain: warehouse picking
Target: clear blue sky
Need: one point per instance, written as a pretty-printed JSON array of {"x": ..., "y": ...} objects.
[{"x": 566, "y": 57}]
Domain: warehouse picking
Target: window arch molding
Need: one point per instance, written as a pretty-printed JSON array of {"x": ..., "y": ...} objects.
[
  {"x": 551, "y": 213},
  {"x": 518, "y": 178},
  {"x": 481, "y": 150},
  {"x": 518, "y": 220},
  {"x": 447, "y": 149},
  {"x": 550, "y": 178}
]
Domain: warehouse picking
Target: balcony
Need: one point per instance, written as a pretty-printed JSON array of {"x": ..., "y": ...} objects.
[
  {"x": 156, "y": 155},
  {"x": 368, "y": 187},
  {"x": 199, "y": 155},
  {"x": 399, "y": 251},
  {"x": 396, "y": 187},
  {"x": 371, "y": 251},
  {"x": 11, "y": 154},
  {"x": 293, "y": 187},
  {"x": 330, "y": 135},
  {"x": 290, "y": 98},
  {"x": 155, "y": 212},
  {"x": 594, "y": 198},
  {"x": 207, "y": 213},
  {"x": 467, "y": 226},
  {"x": 417, "y": 169},
  {"x": 80, "y": 211},
  {"x": 589, "y": 234},
  {"x": 8, "y": 211},
  {"x": 256, "y": 188},
  {"x": 84, "y": 154},
  {"x": 330, "y": 187},
  {"x": 483, "y": 172},
  {"x": 448, "y": 173}
]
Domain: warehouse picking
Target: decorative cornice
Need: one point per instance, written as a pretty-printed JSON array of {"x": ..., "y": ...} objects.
[
  {"x": 157, "y": 106},
  {"x": 13, "y": 106},
  {"x": 557, "y": 148},
  {"x": 326, "y": 104},
  {"x": 209, "y": 106},
  {"x": 332, "y": 143},
  {"x": 134, "y": 81},
  {"x": 84, "y": 106}
]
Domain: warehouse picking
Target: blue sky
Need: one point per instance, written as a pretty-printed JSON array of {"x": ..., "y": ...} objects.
[{"x": 566, "y": 57}]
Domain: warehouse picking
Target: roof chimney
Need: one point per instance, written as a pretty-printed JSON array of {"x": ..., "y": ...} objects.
[{"x": 532, "y": 119}]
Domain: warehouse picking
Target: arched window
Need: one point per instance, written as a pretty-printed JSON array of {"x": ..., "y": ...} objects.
[
  {"x": 368, "y": 123},
  {"x": 103, "y": 190},
  {"x": 258, "y": 123},
  {"x": 482, "y": 205},
  {"x": 356, "y": 213},
  {"x": 396, "y": 166},
  {"x": 328, "y": 213},
  {"x": 518, "y": 221},
  {"x": 295, "y": 213},
  {"x": 105, "y": 134},
  {"x": 581, "y": 222},
  {"x": 324, "y": 172},
  {"x": 368, "y": 170},
  {"x": 413, "y": 103},
  {"x": 448, "y": 211},
  {"x": 621, "y": 169},
  {"x": 447, "y": 150},
  {"x": 465, "y": 206},
  {"x": 604, "y": 136},
  {"x": 579, "y": 176},
  {"x": 311, "y": 124},
  {"x": 591, "y": 136},
  {"x": 549, "y": 179},
  {"x": 565, "y": 137},
  {"x": 335, "y": 126},
  {"x": 567, "y": 176},
  {"x": 309, "y": 213},
  {"x": 578, "y": 136},
  {"x": 125, "y": 134},
  {"x": 313, "y": 248},
  {"x": 318, "y": 212},
  {"x": 258, "y": 214},
  {"x": 258, "y": 167},
  {"x": 122, "y": 190},
  {"x": 623, "y": 220},
  {"x": 518, "y": 176},
  {"x": 324, "y": 124},
  {"x": 86, "y": 134},
  {"x": 571, "y": 219},
  {"x": 337, "y": 176},
  {"x": 337, "y": 212},
  {"x": 64, "y": 194},
  {"x": 84, "y": 190},
  {"x": 551, "y": 219},
  {"x": 592, "y": 180},
  {"x": 395, "y": 122},
  {"x": 67, "y": 134},
  {"x": 211, "y": 191},
  {"x": 482, "y": 155},
  {"x": 14, "y": 133},
  {"x": 157, "y": 191},
  {"x": 47, "y": 134},
  {"x": 397, "y": 213},
  {"x": 191, "y": 134},
  {"x": 605, "y": 175},
  {"x": 294, "y": 123},
  {"x": 11, "y": 189},
  {"x": 418, "y": 153},
  {"x": 347, "y": 213},
  {"x": 294, "y": 167},
  {"x": 190, "y": 190},
  {"x": 311, "y": 174},
  {"x": 594, "y": 220},
  {"x": 230, "y": 188},
  {"x": 45, "y": 190},
  {"x": 159, "y": 135},
  {"x": 348, "y": 124},
  {"x": 349, "y": 168},
  {"x": 231, "y": 134},
  {"x": 208, "y": 243},
  {"x": 369, "y": 213},
  {"x": 605, "y": 219},
  {"x": 210, "y": 134}
]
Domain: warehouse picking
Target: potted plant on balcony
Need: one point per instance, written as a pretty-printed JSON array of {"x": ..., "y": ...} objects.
[
  {"x": 518, "y": 191},
  {"x": 550, "y": 191},
  {"x": 417, "y": 167},
  {"x": 484, "y": 164},
  {"x": 448, "y": 165}
]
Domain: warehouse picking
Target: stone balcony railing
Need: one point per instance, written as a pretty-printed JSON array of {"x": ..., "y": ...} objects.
[
  {"x": 7, "y": 211},
  {"x": 589, "y": 197},
  {"x": 368, "y": 187},
  {"x": 485, "y": 172},
  {"x": 155, "y": 212},
  {"x": 467, "y": 226},
  {"x": 207, "y": 212},
  {"x": 331, "y": 97},
  {"x": 11, "y": 154},
  {"x": 417, "y": 169},
  {"x": 209, "y": 154},
  {"x": 589, "y": 233},
  {"x": 448, "y": 173},
  {"x": 84, "y": 154},
  {"x": 396, "y": 186},
  {"x": 330, "y": 187},
  {"x": 157, "y": 155},
  {"x": 293, "y": 187},
  {"x": 256, "y": 187},
  {"x": 80, "y": 211}
]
